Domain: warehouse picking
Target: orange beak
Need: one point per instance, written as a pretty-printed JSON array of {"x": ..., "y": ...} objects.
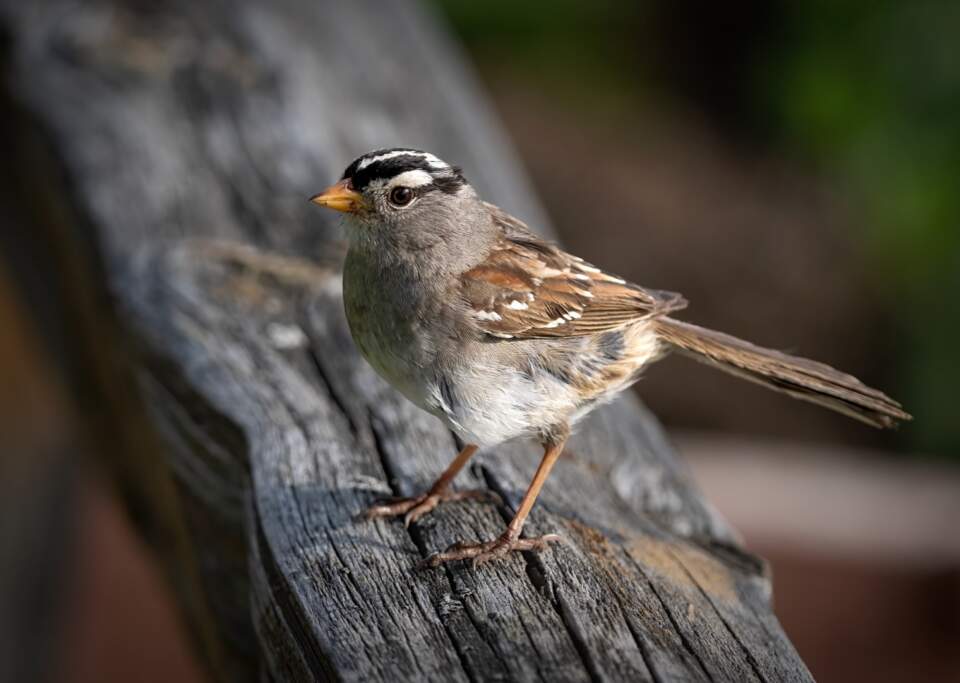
[{"x": 339, "y": 197}]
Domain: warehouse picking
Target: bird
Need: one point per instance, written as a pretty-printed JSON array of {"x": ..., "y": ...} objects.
[{"x": 502, "y": 334}]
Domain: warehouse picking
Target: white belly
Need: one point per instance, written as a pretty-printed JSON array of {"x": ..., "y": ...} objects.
[
  {"x": 496, "y": 399},
  {"x": 493, "y": 407}
]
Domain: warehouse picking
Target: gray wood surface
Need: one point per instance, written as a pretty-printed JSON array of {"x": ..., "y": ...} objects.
[{"x": 188, "y": 137}]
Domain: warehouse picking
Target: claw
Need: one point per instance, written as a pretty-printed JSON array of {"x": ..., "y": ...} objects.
[
  {"x": 426, "y": 505},
  {"x": 481, "y": 553},
  {"x": 416, "y": 507}
]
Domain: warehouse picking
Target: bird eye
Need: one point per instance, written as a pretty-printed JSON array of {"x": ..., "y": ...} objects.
[{"x": 401, "y": 196}]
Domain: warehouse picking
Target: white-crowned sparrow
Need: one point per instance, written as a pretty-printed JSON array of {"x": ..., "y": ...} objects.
[{"x": 501, "y": 334}]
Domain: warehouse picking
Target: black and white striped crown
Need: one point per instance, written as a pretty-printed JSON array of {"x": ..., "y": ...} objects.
[{"x": 385, "y": 164}]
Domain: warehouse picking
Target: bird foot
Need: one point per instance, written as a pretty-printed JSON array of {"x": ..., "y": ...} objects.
[
  {"x": 480, "y": 553},
  {"x": 416, "y": 507}
]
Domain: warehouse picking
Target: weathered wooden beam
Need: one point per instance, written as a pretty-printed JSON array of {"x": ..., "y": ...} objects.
[{"x": 189, "y": 137}]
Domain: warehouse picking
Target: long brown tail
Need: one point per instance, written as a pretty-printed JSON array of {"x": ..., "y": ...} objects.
[{"x": 799, "y": 377}]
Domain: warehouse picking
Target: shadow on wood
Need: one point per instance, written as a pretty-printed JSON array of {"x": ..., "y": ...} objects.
[{"x": 217, "y": 121}]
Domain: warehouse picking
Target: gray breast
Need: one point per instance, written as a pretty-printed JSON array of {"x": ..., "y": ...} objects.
[{"x": 386, "y": 317}]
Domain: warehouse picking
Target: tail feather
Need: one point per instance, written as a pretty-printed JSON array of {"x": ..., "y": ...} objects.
[{"x": 801, "y": 378}]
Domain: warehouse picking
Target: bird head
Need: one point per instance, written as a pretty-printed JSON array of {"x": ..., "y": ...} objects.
[{"x": 406, "y": 200}]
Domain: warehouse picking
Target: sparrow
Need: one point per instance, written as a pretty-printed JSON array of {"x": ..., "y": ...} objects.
[{"x": 501, "y": 334}]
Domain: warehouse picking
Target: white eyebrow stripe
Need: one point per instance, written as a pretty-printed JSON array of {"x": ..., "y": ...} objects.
[
  {"x": 432, "y": 161},
  {"x": 415, "y": 178}
]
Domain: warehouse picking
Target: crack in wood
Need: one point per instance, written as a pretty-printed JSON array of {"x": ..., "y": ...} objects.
[
  {"x": 296, "y": 620},
  {"x": 567, "y": 614},
  {"x": 545, "y": 587},
  {"x": 419, "y": 541},
  {"x": 342, "y": 407},
  {"x": 639, "y": 641},
  {"x": 710, "y": 600},
  {"x": 688, "y": 646}
]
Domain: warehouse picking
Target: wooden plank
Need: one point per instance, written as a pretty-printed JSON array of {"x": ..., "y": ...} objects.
[{"x": 217, "y": 120}]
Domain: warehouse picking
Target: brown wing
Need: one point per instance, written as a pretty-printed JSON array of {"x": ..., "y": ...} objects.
[{"x": 527, "y": 288}]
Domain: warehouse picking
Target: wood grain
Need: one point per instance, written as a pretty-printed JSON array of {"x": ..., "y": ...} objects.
[{"x": 189, "y": 137}]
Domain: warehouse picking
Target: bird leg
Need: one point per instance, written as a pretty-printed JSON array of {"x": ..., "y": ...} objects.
[
  {"x": 415, "y": 507},
  {"x": 510, "y": 539}
]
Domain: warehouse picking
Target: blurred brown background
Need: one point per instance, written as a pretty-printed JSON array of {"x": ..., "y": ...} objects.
[{"x": 792, "y": 169}]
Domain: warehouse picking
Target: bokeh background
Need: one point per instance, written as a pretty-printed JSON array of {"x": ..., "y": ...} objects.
[{"x": 794, "y": 169}]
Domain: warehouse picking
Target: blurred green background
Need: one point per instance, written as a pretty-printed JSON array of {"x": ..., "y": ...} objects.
[{"x": 861, "y": 98}]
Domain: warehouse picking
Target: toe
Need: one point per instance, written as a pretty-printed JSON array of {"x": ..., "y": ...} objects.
[
  {"x": 475, "y": 494},
  {"x": 414, "y": 508},
  {"x": 420, "y": 509},
  {"x": 457, "y": 551},
  {"x": 541, "y": 542},
  {"x": 483, "y": 558},
  {"x": 481, "y": 553},
  {"x": 390, "y": 509}
]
